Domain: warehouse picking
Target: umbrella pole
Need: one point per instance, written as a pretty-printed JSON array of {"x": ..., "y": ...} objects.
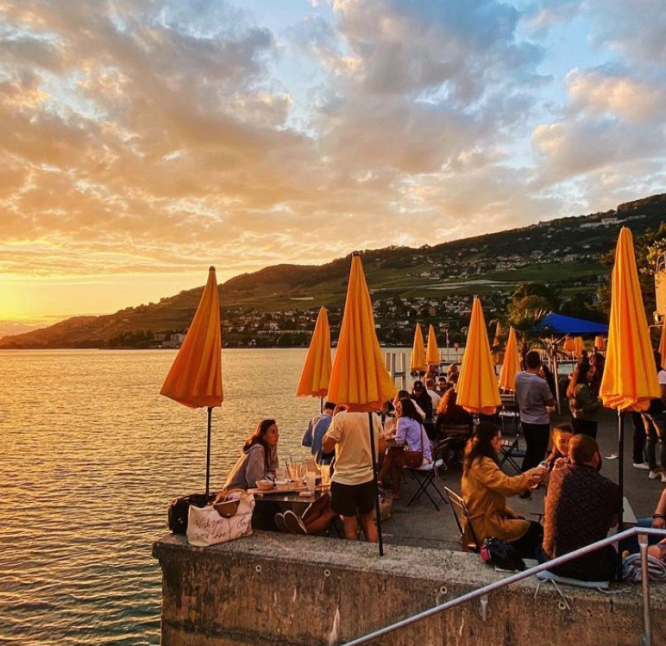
[
  {"x": 374, "y": 476},
  {"x": 210, "y": 416},
  {"x": 620, "y": 482},
  {"x": 557, "y": 380}
]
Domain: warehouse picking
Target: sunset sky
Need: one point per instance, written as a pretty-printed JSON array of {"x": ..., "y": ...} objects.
[{"x": 143, "y": 140}]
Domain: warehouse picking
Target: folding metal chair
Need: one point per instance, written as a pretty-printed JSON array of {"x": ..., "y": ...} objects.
[
  {"x": 511, "y": 452},
  {"x": 425, "y": 478},
  {"x": 459, "y": 509}
]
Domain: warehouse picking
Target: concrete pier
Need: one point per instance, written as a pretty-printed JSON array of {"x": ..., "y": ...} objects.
[{"x": 284, "y": 590}]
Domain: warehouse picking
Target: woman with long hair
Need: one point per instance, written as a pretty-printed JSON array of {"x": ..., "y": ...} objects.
[
  {"x": 485, "y": 488},
  {"x": 410, "y": 436},
  {"x": 258, "y": 458},
  {"x": 584, "y": 404}
]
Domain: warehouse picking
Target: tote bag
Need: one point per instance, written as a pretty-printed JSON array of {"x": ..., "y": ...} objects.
[{"x": 206, "y": 526}]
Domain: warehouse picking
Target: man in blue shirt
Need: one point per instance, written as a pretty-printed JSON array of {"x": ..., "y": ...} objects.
[{"x": 315, "y": 432}]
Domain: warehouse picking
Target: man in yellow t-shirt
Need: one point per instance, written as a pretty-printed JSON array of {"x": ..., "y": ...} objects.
[{"x": 353, "y": 489}]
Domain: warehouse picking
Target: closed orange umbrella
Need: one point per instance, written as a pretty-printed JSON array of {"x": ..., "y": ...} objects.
[
  {"x": 579, "y": 346},
  {"x": 662, "y": 343},
  {"x": 630, "y": 376},
  {"x": 569, "y": 345},
  {"x": 511, "y": 365},
  {"x": 359, "y": 377},
  {"x": 316, "y": 372},
  {"x": 477, "y": 385},
  {"x": 432, "y": 354},
  {"x": 498, "y": 332},
  {"x": 599, "y": 342},
  {"x": 418, "y": 363},
  {"x": 195, "y": 378}
]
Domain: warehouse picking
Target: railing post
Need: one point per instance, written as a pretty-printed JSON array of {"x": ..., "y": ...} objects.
[{"x": 645, "y": 581}]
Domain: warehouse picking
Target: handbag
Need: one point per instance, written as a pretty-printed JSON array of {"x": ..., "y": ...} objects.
[
  {"x": 207, "y": 526},
  {"x": 179, "y": 508},
  {"x": 501, "y": 554},
  {"x": 414, "y": 459}
]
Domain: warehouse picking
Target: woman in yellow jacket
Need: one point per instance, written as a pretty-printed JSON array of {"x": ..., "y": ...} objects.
[{"x": 485, "y": 488}]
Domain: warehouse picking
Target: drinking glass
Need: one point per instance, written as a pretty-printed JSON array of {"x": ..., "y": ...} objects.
[{"x": 325, "y": 473}]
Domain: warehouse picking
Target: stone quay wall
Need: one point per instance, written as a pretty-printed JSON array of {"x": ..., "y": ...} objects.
[{"x": 282, "y": 590}]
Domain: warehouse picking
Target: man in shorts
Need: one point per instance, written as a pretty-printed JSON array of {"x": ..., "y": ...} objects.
[{"x": 353, "y": 489}]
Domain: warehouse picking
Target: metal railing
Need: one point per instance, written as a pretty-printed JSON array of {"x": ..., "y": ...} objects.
[{"x": 641, "y": 532}]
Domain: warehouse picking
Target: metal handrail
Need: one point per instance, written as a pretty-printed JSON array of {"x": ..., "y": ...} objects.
[{"x": 519, "y": 576}]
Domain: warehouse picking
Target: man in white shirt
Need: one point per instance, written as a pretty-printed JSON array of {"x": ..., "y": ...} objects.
[
  {"x": 353, "y": 487},
  {"x": 430, "y": 389}
]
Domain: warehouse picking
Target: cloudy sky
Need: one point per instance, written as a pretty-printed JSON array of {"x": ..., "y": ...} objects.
[{"x": 143, "y": 140}]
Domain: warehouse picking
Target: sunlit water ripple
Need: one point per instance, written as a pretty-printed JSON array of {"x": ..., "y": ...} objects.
[{"x": 90, "y": 456}]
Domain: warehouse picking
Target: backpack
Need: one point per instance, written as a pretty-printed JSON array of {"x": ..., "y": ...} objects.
[
  {"x": 179, "y": 509},
  {"x": 501, "y": 554}
]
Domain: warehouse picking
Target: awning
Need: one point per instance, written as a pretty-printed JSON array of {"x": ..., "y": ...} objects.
[{"x": 560, "y": 324}]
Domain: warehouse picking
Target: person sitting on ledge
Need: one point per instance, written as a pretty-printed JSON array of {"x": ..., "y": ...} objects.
[
  {"x": 258, "y": 459},
  {"x": 580, "y": 509},
  {"x": 485, "y": 487}
]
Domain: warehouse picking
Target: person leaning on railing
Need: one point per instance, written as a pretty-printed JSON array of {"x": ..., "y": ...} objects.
[{"x": 485, "y": 488}]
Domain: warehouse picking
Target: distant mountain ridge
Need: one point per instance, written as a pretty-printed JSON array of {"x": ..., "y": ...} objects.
[{"x": 565, "y": 251}]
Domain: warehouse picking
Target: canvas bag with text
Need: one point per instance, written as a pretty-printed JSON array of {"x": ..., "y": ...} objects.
[{"x": 206, "y": 527}]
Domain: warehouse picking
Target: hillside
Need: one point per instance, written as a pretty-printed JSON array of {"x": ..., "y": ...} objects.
[{"x": 276, "y": 305}]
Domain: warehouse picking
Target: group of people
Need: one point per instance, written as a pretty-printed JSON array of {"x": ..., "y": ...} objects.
[{"x": 580, "y": 503}]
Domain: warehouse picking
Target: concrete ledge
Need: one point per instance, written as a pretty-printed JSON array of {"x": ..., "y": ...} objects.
[{"x": 279, "y": 590}]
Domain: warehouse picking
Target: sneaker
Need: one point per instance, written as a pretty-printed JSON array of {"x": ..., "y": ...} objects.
[
  {"x": 642, "y": 465},
  {"x": 654, "y": 475},
  {"x": 612, "y": 456},
  {"x": 294, "y": 523}
]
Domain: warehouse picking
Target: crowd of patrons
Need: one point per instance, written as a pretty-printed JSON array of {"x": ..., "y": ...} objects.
[{"x": 580, "y": 502}]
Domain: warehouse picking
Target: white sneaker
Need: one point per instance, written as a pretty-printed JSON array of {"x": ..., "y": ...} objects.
[
  {"x": 641, "y": 465},
  {"x": 612, "y": 456},
  {"x": 654, "y": 475}
]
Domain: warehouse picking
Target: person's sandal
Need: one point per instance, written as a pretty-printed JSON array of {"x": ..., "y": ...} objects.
[{"x": 294, "y": 524}]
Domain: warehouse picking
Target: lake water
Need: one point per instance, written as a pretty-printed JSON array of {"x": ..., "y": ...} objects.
[{"x": 90, "y": 456}]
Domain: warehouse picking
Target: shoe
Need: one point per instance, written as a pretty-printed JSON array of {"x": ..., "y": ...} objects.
[
  {"x": 612, "y": 456},
  {"x": 654, "y": 475},
  {"x": 641, "y": 465},
  {"x": 294, "y": 524},
  {"x": 279, "y": 522}
]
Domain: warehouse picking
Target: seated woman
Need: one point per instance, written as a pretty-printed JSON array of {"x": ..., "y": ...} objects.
[
  {"x": 410, "y": 436},
  {"x": 562, "y": 435},
  {"x": 485, "y": 487},
  {"x": 449, "y": 412},
  {"x": 258, "y": 458}
]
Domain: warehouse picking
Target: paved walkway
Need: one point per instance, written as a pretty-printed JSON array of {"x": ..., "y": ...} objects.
[{"x": 422, "y": 526}]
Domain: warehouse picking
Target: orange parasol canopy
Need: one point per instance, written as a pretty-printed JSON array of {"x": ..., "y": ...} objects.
[
  {"x": 432, "y": 354},
  {"x": 195, "y": 378},
  {"x": 418, "y": 363},
  {"x": 477, "y": 385},
  {"x": 662, "y": 343},
  {"x": 316, "y": 371},
  {"x": 498, "y": 332},
  {"x": 599, "y": 342},
  {"x": 569, "y": 344},
  {"x": 359, "y": 376},
  {"x": 579, "y": 346},
  {"x": 630, "y": 377},
  {"x": 511, "y": 365}
]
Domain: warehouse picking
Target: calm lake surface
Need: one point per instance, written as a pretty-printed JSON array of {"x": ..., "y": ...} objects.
[{"x": 90, "y": 456}]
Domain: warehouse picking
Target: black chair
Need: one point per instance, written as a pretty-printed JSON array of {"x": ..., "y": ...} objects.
[
  {"x": 425, "y": 479},
  {"x": 511, "y": 452},
  {"x": 459, "y": 510}
]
